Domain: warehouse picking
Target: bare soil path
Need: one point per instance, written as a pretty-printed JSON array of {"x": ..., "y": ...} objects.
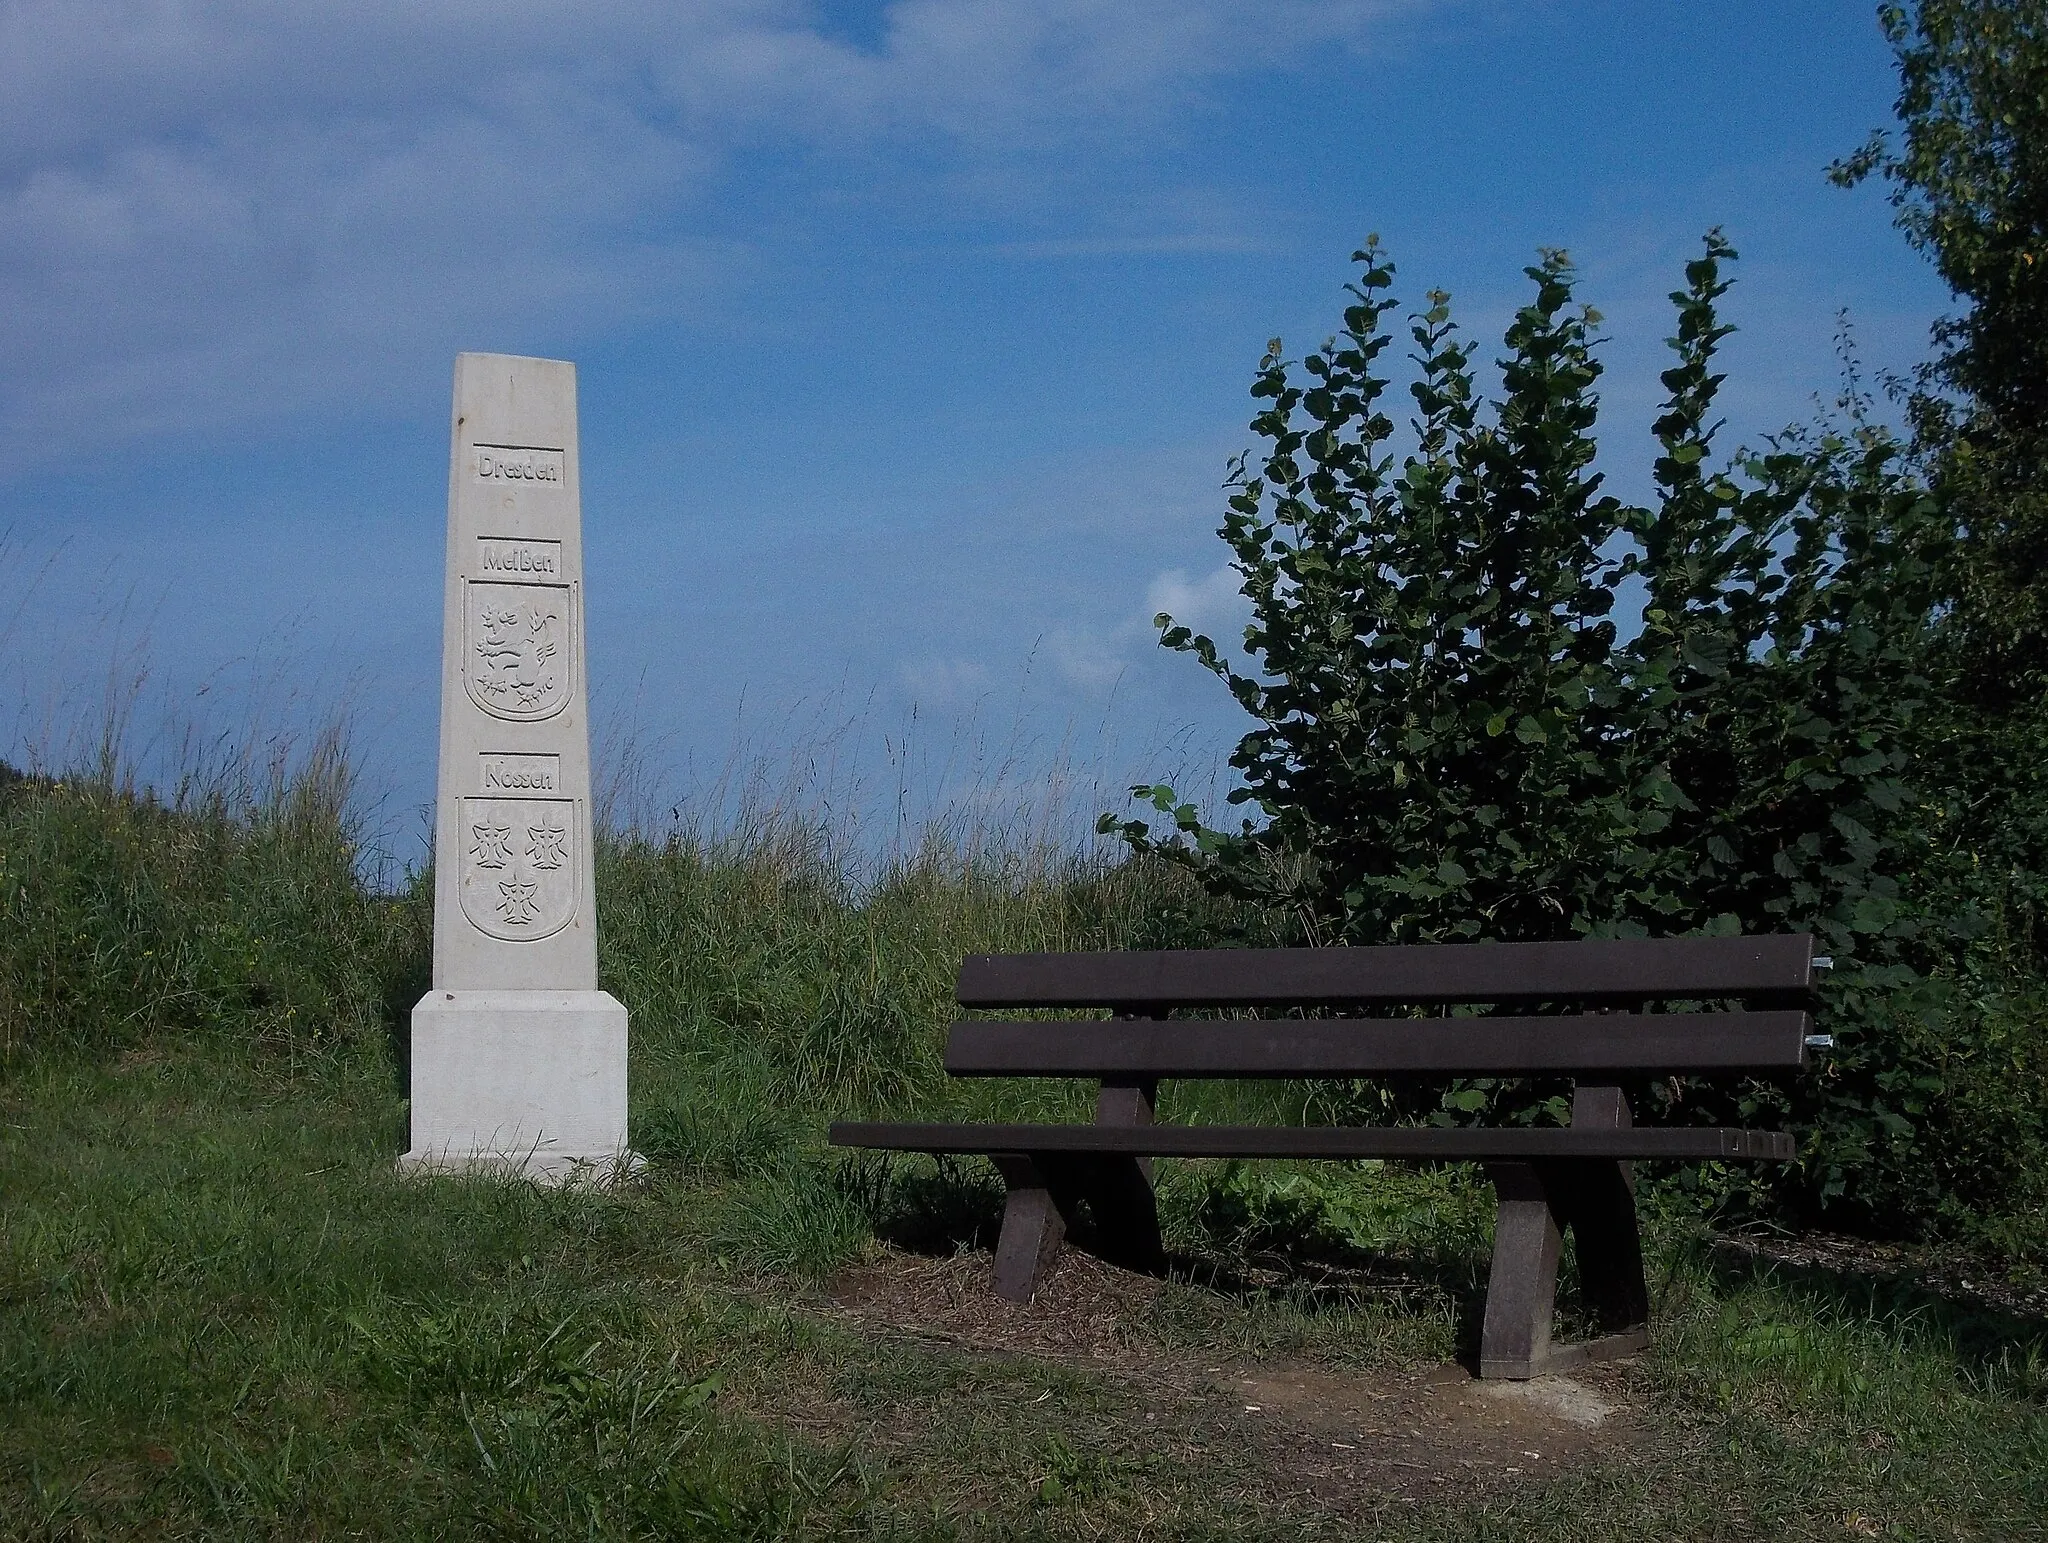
[{"x": 1341, "y": 1434}]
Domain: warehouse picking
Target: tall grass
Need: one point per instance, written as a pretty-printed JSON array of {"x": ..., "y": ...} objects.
[
  {"x": 780, "y": 973},
  {"x": 774, "y": 950},
  {"x": 229, "y": 906}
]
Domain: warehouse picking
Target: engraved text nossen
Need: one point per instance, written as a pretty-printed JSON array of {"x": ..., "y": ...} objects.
[{"x": 521, "y": 774}]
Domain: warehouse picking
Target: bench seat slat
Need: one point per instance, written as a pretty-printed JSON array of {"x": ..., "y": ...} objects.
[
  {"x": 1632, "y": 969},
  {"x": 1424, "y": 1144},
  {"x": 1610, "y": 1043}
]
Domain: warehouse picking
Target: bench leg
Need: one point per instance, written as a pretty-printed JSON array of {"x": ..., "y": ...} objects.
[
  {"x": 1042, "y": 1195},
  {"x": 1596, "y": 1199},
  {"x": 1521, "y": 1293},
  {"x": 1121, "y": 1102},
  {"x": 1125, "y": 1213},
  {"x": 1119, "y": 1189},
  {"x": 1035, "y": 1211},
  {"x": 1602, "y": 1208}
]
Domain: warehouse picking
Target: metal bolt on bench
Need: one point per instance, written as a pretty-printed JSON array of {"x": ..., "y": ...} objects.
[{"x": 1582, "y": 1010}]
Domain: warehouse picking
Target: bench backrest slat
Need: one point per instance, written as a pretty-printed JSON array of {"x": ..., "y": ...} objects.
[
  {"x": 1357, "y": 1047},
  {"x": 1772, "y": 968}
]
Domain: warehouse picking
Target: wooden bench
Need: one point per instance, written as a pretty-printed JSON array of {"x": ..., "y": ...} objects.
[{"x": 1578, "y": 1010}]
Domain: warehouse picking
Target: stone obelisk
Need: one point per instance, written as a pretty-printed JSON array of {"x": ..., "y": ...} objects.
[{"x": 518, "y": 1060}]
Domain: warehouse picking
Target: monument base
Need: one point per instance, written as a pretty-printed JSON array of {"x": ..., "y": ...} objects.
[{"x": 525, "y": 1083}]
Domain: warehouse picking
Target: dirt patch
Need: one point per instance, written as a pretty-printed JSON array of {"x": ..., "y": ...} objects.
[
  {"x": 1342, "y": 1434},
  {"x": 1438, "y": 1422}
]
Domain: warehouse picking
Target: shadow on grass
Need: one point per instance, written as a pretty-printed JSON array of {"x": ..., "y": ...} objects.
[
  {"x": 945, "y": 1206},
  {"x": 1306, "y": 1283},
  {"x": 934, "y": 1211},
  {"x": 1986, "y": 1339}
]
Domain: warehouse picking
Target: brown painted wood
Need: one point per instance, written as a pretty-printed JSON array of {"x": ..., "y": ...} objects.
[
  {"x": 1098, "y": 1200},
  {"x": 1536, "y": 1203},
  {"x": 1599, "y": 1107},
  {"x": 1630, "y": 969},
  {"x": 1034, "y": 1224},
  {"x": 1092, "y": 1183},
  {"x": 1131, "y": 1050},
  {"x": 1121, "y": 1209},
  {"x": 1600, "y": 1208},
  {"x": 1415, "y": 1144},
  {"x": 1521, "y": 1289},
  {"x": 1125, "y": 1100},
  {"x": 1565, "y": 1358},
  {"x": 1119, "y": 1188},
  {"x": 1128, "y": 1101}
]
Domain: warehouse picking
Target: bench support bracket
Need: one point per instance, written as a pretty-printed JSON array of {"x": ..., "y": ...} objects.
[
  {"x": 1537, "y": 1201},
  {"x": 1119, "y": 1189},
  {"x": 1046, "y": 1190},
  {"x": 1042, "y": 1206},
  {"x": 1035, "y": 1211}
]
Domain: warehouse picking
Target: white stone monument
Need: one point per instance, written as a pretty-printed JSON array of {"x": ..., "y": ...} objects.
[{"x": 518, "y": 1060}]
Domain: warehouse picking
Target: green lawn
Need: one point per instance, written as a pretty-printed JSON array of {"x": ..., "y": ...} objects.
[{"x": 226, "y": 1316}]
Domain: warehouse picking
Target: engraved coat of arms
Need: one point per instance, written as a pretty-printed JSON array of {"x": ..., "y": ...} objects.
[
  {"x": 519, "y": 866},
  {"x": 517, "y": 648}
]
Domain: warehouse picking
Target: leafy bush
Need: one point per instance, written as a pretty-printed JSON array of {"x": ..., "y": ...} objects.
[
  {"x": 1969, "y": 179},
  {"x": 1453, "y": 740},
  {"x": 1460, "y": 733}
]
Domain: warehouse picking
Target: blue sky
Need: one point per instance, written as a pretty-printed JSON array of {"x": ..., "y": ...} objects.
[{"x": 912, "y": 337}]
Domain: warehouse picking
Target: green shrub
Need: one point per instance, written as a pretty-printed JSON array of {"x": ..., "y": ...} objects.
[
  {"x": 1453, "y": 739},
  {"x": 1348, "y": 1212}
]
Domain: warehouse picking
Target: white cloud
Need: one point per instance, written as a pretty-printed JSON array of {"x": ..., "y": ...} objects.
[
  {"x": 1083, "y": 658},
  {"x": 212, "y": 211},
  {"x": 944, "y": 682},
  {"x": 1093, "y": 659},
  {"x": 1212, "y": 605}
]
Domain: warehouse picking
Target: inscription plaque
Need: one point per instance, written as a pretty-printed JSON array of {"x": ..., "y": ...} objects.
[
  {"x": 521, "y": 774},
  {"x": 517, "y": 464},
  {"x": 518, "y": 562}
]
